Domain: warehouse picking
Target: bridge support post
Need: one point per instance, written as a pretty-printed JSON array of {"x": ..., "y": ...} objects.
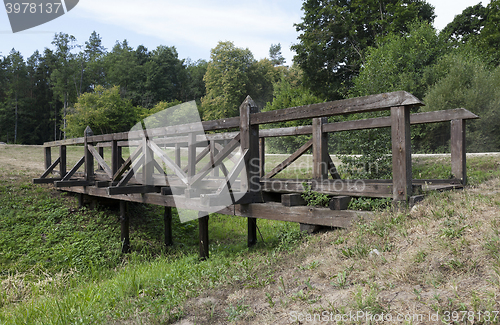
[
  {"x": 167, "y": 219},
  {"x": 401, "y": 154},
  {"x": 62, "y": 163},
  {"x": 203, "y": 234},
  {"x": 249, "y": 139},
  {"x": 125, "y": 235}
]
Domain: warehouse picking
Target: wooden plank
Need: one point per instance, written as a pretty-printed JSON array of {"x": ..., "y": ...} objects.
[
  {"x": 73, "y": 170},
  {"x": 170, "y": 164},
  {"x": 125, "y": 231},
  {"x": 167, "y": 223},
  {"x": 51, "y": 168},
  {"x": 178, "y": 155},
  {"x": 288, "y": 161},
  {"x": 115, "y": 190},
  {"x": 217, "y": 160},
  {"x": 213, "y": 153},
  {"x": 458, "y": 151},
  {"x": 320, "y": 149},
  {"x": 100, "y": 161},
  {"x": 100, "y": 150},
  {"x": 127, "y": 163},
  {"x": 331, "y": 168},
  {"x": 62, "y": 163},
  {"x": 346, "y": 106},
  {"x": 45, "y": 180},
  {"x": 114, "y": 157},
  {"x": 305, "y": 214},
  {"x": 203, "y": 234},
  {"x": 401, "y": 153},
  {"x": 231, "y": 156},
  {"x": 89, "y": 159},
  {"x": 292, "y": 200},
  {"x": 229, "y": 179},
  {"x": 249, "y": 139},
  {"x": 191, "y": 164}
]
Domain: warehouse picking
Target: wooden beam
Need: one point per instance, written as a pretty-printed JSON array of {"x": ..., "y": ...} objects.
[
  {"x": 292, "y": 200},
  {"x": 129, "y": 174},
  {"x": 62, "y": 163},
  {"x": 339, "y": 202},
  {"x": 71, "y": 183},
  {"x": 170, "y": 164},
  {"x": 100, "y": 161},
  {"x": 347, "y": 106},
  {"x": 458, "y": 151},
  {"x": 127, "y": 163},
  {"x": 288, "y": 161},
  {"x": 199, "y": 157},
  {"x": 331, "y": 168},
  {"x": 229, "y": 179},
  {"x": 51, "y": 168},
  {"x": 195, "y": 180},
  {"x": 401, "y": 153},
  {"x": 262, "y": 156},
  {"x": 45, "y": 180},
  {"x": 73, "y": 170}
]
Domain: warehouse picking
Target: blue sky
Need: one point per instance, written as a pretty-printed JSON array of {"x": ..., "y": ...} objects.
[{"x": 193, "y": 26}]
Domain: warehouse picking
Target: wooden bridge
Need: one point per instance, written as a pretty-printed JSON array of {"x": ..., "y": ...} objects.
[{"x": 150, "y": 175}]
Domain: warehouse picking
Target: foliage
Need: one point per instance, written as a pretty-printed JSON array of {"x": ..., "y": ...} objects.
[
  {"x": 334, "y": 36},
  {"x": 104, "y": 110},
  {"x": 370, "y": 204},
  {"x": 287, "y": 94},
  {"x": 314, "y": 198}
]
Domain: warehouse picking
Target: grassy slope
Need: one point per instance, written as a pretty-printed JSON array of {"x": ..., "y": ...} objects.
[{"x": 62, "y": 266}]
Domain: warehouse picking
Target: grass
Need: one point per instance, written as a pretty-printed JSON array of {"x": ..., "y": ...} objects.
[{"x": 62, "y": 265}]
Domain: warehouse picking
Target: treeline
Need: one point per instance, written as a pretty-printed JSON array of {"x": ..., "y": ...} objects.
[{"x": 344, "y": 49}]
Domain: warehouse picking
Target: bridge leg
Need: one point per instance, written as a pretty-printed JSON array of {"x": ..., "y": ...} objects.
[
  {"x": 401, "y": 154},
  {"x": 203, "y": 234},
  {"x": 458, "y": 152},
  {"x": 167, "y": 219},
  {"x": 252, "y": 231},
  {"x": 125, "y": 236}
]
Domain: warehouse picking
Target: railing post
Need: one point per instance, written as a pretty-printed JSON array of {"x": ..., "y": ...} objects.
[
  {"x": 178, "y": 154},
  {"x": 213, "y": 153},
  {"x": 62, "y": 163},
  {"x": 249, "y": 139},
  {"x": 89, "y": 159},
  {"x": 47, "y": 157},
  {"x": 115, "y": 157},
  {"x": 262, "y": 156},
  {"x": 147, "y": 168},
  {"x": 101, "y": 153},
  {"x": 320, "y": 149},
  {"x": 458, "y": 152},
  {"x": 401, "y": 154}
]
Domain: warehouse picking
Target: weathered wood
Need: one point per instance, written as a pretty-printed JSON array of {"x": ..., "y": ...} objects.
[
  {"x": 170, "y": 164},
  {"x": 203, "y": 234},
  {"x": 231, "y": 156},
  {"x": 195, "y": 180},
  {"x": 401, "y": 153},
  {"x": 288, "y": 161},
  {"x": 73, "y": 170},
  {"x": 125, "y": 232},
  {"x": 199, "y": 157},
  {"x": 302, "y": 214},
  {"x": 458, "y": 152},
  {"x": 332, "y": 169},
  {"x": 130, "y": 173},
  {"x": 292, "y": 200},
  {"x": 100, "y": 150},
  {"x": 89, "y": 159},
  {"x": 178, "y": 155},
  {"x": 115, "y": 162},
  {"x": 124, "y": 166},
  {"x": 251, "y": 231},
  {"x": 231, "y": 177},
  {"x": 71, "y": 183},
  {"x": 133, "y": 189},
  {"x": 320, "y": 149},
  {"x": 339, "y": 202},
  {"x": 262, "y": 156},
  {"x": 45, "y": 180},
  {"x": 62, "y": 163},
  {"x": 353, "y": 105},
  {"x": 100, "y": 161},
  {"x": 47, "y": 157},
  {"x": 191, "y": 165},
  {"x": 51, "y": 168},
  {"x": 167, "y": 221}
]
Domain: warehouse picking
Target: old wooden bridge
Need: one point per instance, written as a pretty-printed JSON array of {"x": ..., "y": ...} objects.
[{"x": 142, "y": 177}]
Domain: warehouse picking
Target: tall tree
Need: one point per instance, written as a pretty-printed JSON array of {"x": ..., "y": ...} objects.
[
  {"x": 17, "y": 79},
  {"x": 466, "y": 25},
  {"x": 335, "y": 34},
  {"x": 275, "y": 55}
]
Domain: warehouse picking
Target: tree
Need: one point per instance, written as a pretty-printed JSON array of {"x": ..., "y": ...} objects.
[
  {"x": 194, "y": 86},
  {"x": 104, "y": 110},
  {"x": 490, "y": 35},
  {"x": 275, "y": 55},
  {"x": 335, "y": 34},
  {"x": 17, "y": 80},
  {"x": 466, "y": 25}
]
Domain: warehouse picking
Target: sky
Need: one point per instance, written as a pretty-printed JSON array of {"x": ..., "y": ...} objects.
[{"x": 194, "y": 27}]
